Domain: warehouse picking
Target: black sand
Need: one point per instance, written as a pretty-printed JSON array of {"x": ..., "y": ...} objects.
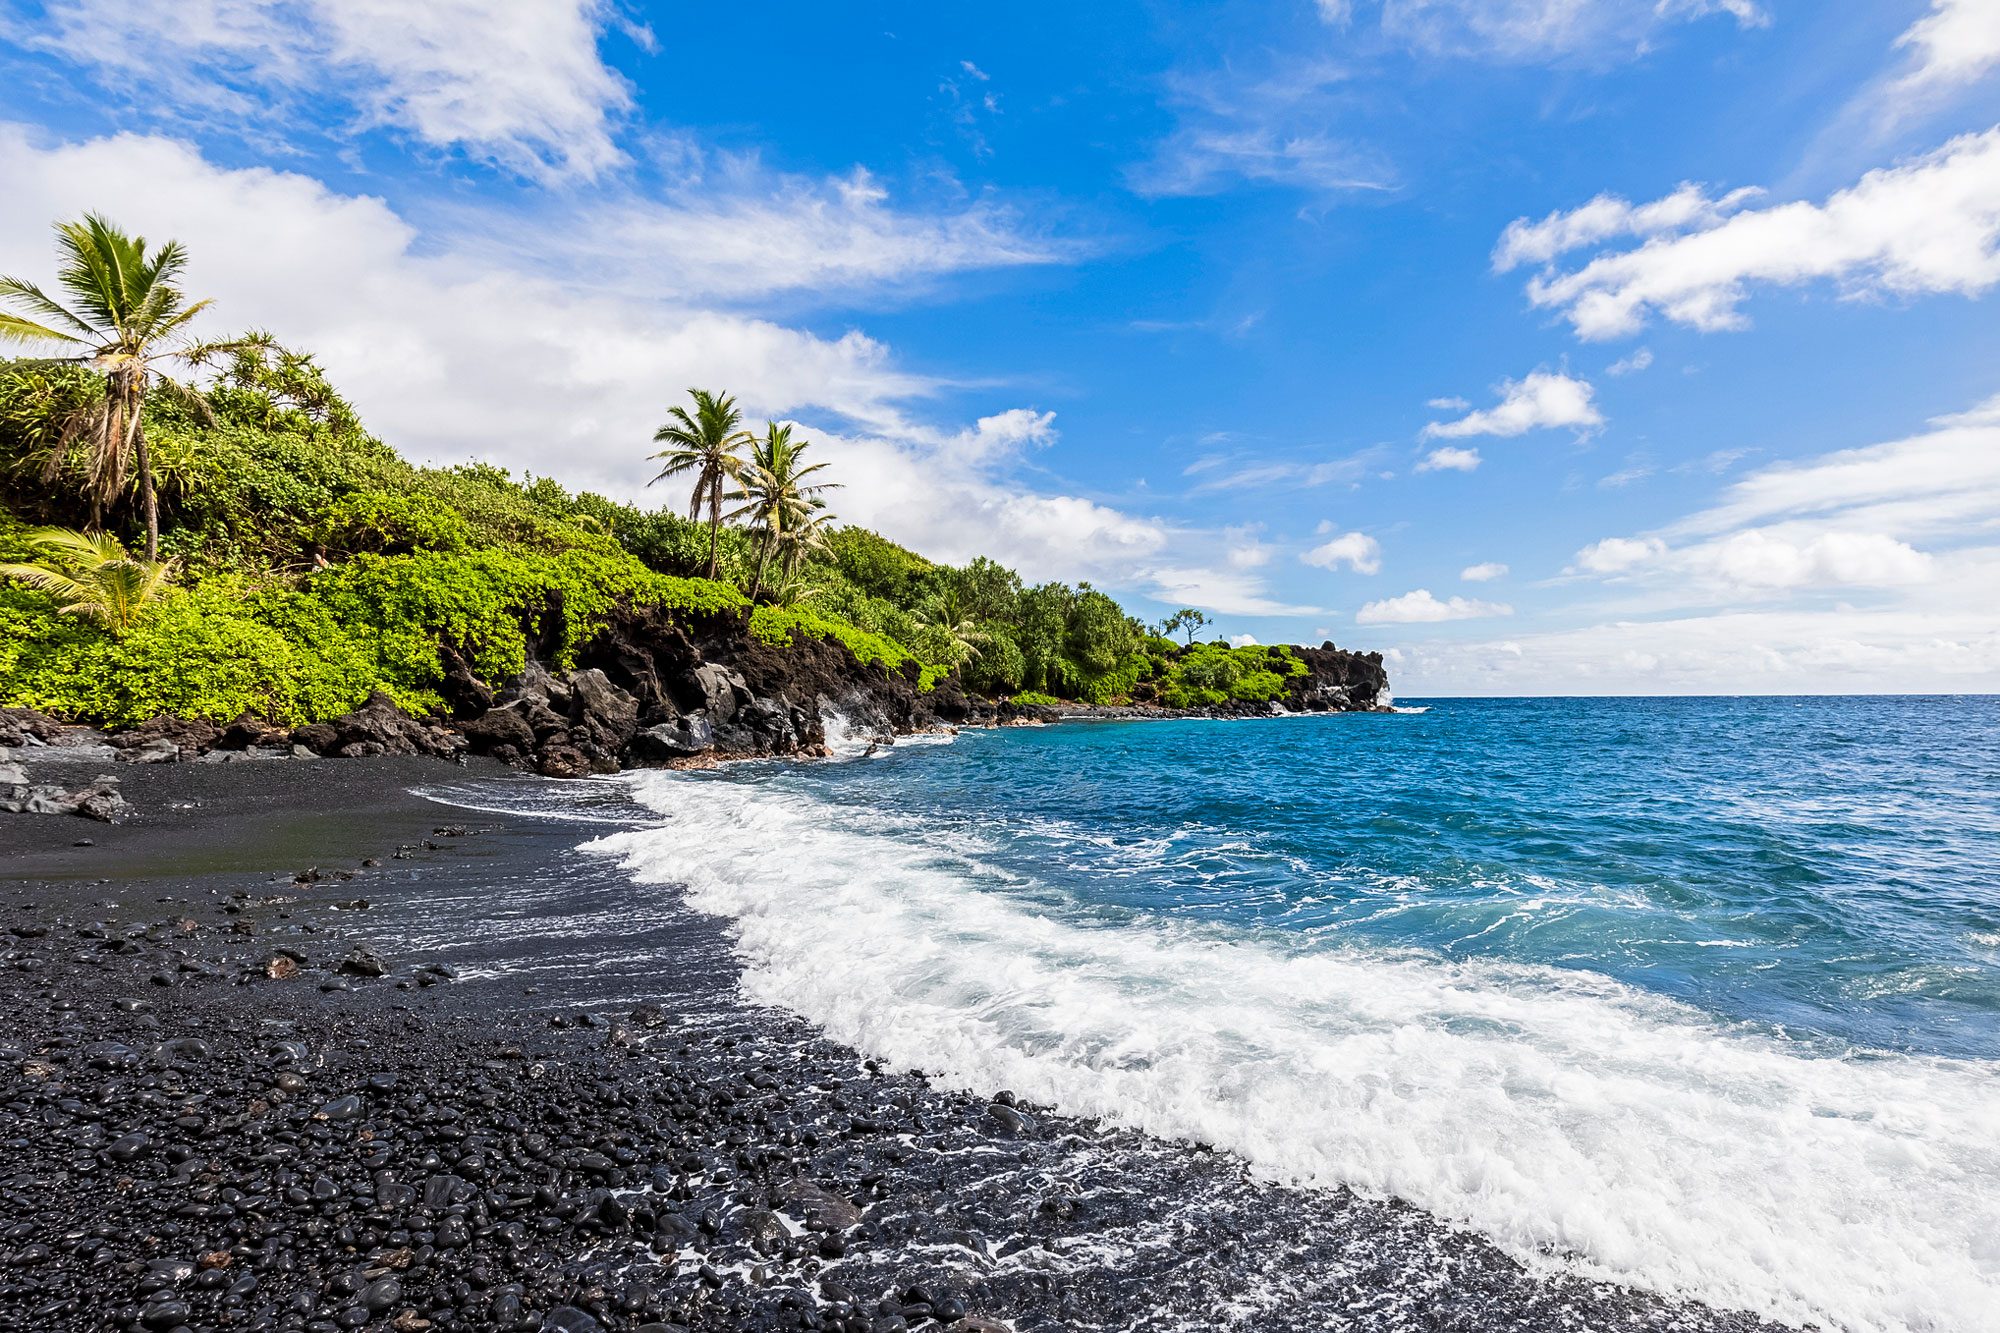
[{"x": 553, "y": 1111}]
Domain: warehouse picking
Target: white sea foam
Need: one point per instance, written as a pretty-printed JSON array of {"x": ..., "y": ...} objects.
[{"x": 1557, "y": 1111}]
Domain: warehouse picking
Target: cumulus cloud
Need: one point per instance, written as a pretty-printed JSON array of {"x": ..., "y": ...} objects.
[
  {"x": 1608, "y": 217},
  {"x": 1954, "y": 45},
  {"x": 1421, "y": 608},
  {"x": 1483, "y": 573},
  {"x": 1538, "y": 401},
  {"x": 1928, "y": 226},
  {"x": 1631, "y": 365},
  {"x": 1449, "y": 458},
  {"x": 520, "y": 84},
  {"x": 1356, "y": 550}
]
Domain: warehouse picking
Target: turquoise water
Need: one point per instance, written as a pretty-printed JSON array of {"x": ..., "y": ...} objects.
[
  {"x": 1700, "y": 995},
  {"x": 1830, "y": 867}
]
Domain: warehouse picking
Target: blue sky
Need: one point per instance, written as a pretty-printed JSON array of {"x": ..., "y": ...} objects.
[{"x": 1547, "y": 345}]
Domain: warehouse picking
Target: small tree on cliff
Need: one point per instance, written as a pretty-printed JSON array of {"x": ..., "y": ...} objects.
[
  {"x": 704, "y": 443},
  {"x": 1187, "y": 618},
  {"x": 126, "y": 318}
]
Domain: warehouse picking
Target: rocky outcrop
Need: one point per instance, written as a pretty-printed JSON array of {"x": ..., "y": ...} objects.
[
  {"x": 377, "y": 727},
  {"x": 650, "y": 689},
  {"x": 164, "y": 739},
  {"x": 1338, "y": 681}
]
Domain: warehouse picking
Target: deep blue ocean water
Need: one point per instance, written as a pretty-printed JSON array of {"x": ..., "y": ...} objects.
[{"x": 1702, "y": 994}]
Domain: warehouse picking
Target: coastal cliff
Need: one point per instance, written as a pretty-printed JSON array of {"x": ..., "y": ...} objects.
[{"x": 651, "y": 689}]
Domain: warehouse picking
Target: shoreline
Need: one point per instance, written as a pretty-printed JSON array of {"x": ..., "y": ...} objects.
[{"x": 791, "y": 1182}]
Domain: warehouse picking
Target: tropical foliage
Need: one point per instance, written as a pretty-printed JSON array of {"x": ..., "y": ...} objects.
[
  {"x": 296, "y": 563},
  {"x": 703, "y": 444},
  {"x": 127, "y": 317},
  {"x": 90, "y": 574}
]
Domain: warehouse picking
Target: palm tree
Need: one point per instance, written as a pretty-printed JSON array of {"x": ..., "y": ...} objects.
[
  {"x": 93, "y": 576},
  {"x": 704, "y": 444},
  {"x": 947, "y": 613},
  {"x": 127, "y": 316},
  {"x": 784, "y": 509}
]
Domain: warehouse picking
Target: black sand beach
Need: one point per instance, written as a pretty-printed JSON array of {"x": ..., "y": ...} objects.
[{"x": 295, "y": 1048}]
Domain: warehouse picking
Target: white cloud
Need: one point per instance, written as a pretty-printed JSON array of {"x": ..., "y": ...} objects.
[
  {"x": 1263, "y": 131},
  {"x": 1949, "y": 649},
  {"x": 1689, "y": 208},
  {"x": 1631, "y": 365},
  {"x": 1231, "y": 472},
  {"x": 568, "y": 378},
  {"x": 1356, "y": 550},
  {"x": 1539, "y": 30},
  {"x": 1230, "y": 592},
  {"x": 1954, "y": 45},
  {"x": 1759, "y": 560},
  {"x": 1449, "y": 458},
  {"x": 1928, "y": 226},
  {"x": 520, "y": 84},
  {"x": 1615, "y": 555},
  {"x": 1483, "y": 573},
  {"x": 1538, "y": 401},
  {"x": 743, "y": 232},
  {"x": 1242, "y": 640},
  {"x": 1937, "y": 482},
  {"x": 1448, "y": 404},
  {"x": 1421, "y": 608}
]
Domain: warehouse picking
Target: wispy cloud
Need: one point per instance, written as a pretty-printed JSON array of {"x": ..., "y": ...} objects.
[
  {"x": 1539, "y": 31},
  {"x": 1269, "y": 130}
]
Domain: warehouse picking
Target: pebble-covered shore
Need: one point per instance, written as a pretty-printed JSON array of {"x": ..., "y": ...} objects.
[{"x": 454, "y": 1078}]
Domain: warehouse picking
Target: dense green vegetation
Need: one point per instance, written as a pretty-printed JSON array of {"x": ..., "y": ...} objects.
[{"x": 301, "y": 563}]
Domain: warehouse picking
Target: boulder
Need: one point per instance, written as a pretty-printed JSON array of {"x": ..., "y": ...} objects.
[
  {"x": 723, "y": 691},
  {"x": 506, "y": 725},
  {"x": 377, "y": 727},
  {"x": 159, "y": 750},
  {"x": 189, "y": 736},
  {"x": 678, "y": 739},
  {"x": 563, "y": 761},
  {"x": 100, "y": 800},
  {"x": 22, "y": 726}
]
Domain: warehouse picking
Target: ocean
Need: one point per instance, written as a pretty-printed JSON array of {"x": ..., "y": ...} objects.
[{"x": 1698, "y": 995}]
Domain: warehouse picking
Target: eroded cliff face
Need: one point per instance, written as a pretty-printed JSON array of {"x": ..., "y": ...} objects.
[
  {"x": 655, "y": 690},
  {"x": 1339, "y": 681}
]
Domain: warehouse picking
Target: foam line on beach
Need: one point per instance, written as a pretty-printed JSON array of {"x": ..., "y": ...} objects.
[{"x": 1557, "y": 1111}]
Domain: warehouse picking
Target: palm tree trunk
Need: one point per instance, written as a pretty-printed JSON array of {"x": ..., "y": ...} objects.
[
  {"x": 148, "y": 498},
  {"x": 763, "y": 559},
  {"x": 714, "y": 522}
]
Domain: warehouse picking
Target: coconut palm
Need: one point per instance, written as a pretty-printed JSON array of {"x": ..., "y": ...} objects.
[
  {"x": 93, "y": 576},
  {"x": 126, "y": 318},
  {"x": 786, "y": 511},
  {"x": 704, "y": 443},
  {"x": 949, "y": 616}
]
